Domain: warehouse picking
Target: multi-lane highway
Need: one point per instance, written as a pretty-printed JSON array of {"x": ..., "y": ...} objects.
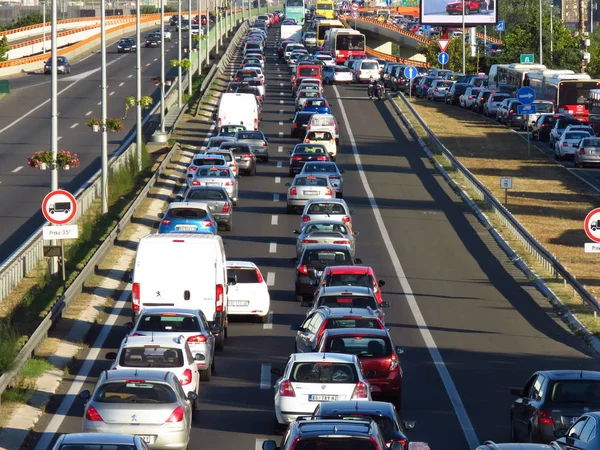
[
  {"x": 471, "y": 325},
  {"x": 25, "y": 128}
]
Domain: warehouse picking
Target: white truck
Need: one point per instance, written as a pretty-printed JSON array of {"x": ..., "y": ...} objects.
[{"x": 291, "y": 32}]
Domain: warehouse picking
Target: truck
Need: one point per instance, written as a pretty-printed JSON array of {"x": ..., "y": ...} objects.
[{"x": 291, "y": 32}]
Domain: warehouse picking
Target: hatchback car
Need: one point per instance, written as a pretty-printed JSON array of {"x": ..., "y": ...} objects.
[
  {"x": 62, "y": 65},
  {"x": 325, "y": 232},
  {"x": 258, "y": 141},
  {"x": 423, "y": 86},
  {"x": 334, "y": 209},
  {"x": 309, "y": 379},
  {"x": 99, "y": 441},
  {"x": 303, "y": 153},
  {"x": 249, "y": 295},
  {"x": 126, "y": 45},
  {"x": 336, "y": 74},
  {"x": 467, "y": 100},
  {"x": 299, "y": 124},
  {"x": 540, "y": 130},
  {"x": 318, "y": 105},
  {"x": 455, "y": 91},
  {"x": 490, "y": 107},
  {"x": 329, "y": 169},
  {"x": 149, "y": 403},
  {"x": 350, "y": 276},
  {"x": 216, "y": 198},
  {"x": 510, "y": 116},
  {"x": 152, "y": 40},
  {"x": 217, "y": 176},
  {"x": 306, "y": 187},
  {"x": 588, "y": 152},
  {"x": 584, "y": 434},
  {"x": 348, "y": 297},
  {"x": 364, "y": 69},
  {"x": 203, "y": 160},
  {"x": 569, "y": 143},
  {"x": 187, "y": 217},
  {"x": 559, "y": 127},
  {"x": 437, "y": 90},
  {"x": 482, "y": 97},
  {"x": 243, "y": 154},
  {"x": 306, "y": 94}
]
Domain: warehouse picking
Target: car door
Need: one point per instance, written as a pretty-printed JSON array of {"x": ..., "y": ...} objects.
[
  {"x": 211, "y": 338},
  {"x": 303, "y": 334},
  {"x": 573, "y": 439},
  {"x": 519, "y": 410}
]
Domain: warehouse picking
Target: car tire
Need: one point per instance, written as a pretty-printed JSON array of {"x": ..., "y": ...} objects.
[
  {"x": 205, "y": 375},
  {"x": 265, "y": 318},
  {"x": 266, "y": 159},
  {"x": 220, "y": 341},
  {"x": 511, "y": 433},
  {"x": 213, "y": 367}
]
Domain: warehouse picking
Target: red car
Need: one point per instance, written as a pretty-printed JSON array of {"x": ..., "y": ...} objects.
[
  {"x": 379, "y": 358},
  {"x": 351, "y": 276},
  {"x": 470, "y": 6}
]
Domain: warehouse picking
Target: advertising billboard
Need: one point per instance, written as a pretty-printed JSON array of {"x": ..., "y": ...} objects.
[{"x": 450, "y": 12}]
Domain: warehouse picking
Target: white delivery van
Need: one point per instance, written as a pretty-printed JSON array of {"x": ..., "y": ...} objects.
[
  {"x": 182, "y": 270},
  {"x": 238, "y": 109}
]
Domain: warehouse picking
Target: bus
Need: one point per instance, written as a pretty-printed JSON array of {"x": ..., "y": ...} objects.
[
  {"x": 323, "y": 26},
  {"x": 569, "y": 91},
  {"x": 325, "y": 8},
  {"x": 509, "y": 77},
  {"x": 343, "y": 42},
  {"x": 295, "y": 9}
]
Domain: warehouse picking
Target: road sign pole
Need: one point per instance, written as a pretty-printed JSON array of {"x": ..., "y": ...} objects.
[
  {"x": 62, "y": 263},
  {"x": 528, "y": 141}
]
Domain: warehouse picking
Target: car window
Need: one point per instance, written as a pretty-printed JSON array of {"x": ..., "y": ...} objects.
[
  {"x": 135, "y": 391},
  {"x": 310, "y": 181},
  {"x": 319, "y": 136},
  {"x": 206, "y": 194},
  {"x": 168, "y": 322},
  {"x": 368, "y": 65},
  {"x": 342, "y": 279},
  {"x": 308, "y": 71},
  {"x": 326, "y": 228},
  {"x": 227, "y": 156},
  {"x": 320, "y": 167},
  {"x": 591, "y": 143},
  {"x": 309, "y": 149},
  {"x": 323, "y": 372},
  {"x": 250, "y": 136},
  {"x": 326, "y": 208},
  {"x": 365, "y": 322},
  {"x": 209, "y": 162},
  {"x": 324, "y": 256},
  {"x": 213, "y": 172},
  {"x": 362, "y": 346},
  {"x": 544, "y": 107},
  {"x": 151, "y": 356},
  {"x": 589, "y": 430},
  {"x": 245, "y": 275},
  {"x": 575, "y": 136},
  {"x": 87, "y": 446},
  {"x": 497, "y": 98},
  {"x": 347, "y": 301},
  {"x": 575, "y": 431},
  {"x": 536, "y": 390},
  {"x": 186, "y": 213},
  {"x": 576, "y": 391}
]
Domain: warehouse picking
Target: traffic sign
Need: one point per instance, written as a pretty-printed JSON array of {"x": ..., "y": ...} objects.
[
  {"x": 345, "y": 4},
  {"x": 443, "y": 44},
  {"x": 355, "y": 14},
  {"x": 501, "y": 26},
  {"x": 388, "y": 2},
  {"x": 443, "y": 58},
  {"x": 506, "y": 183},
  {"x": 60, "y": 232},
  {"x": 410, "y": 72},
  {"x": 591, "y": 225},
  {"x": 527, "y": 58},
  {"x": 526, "y": 109},
  {"x": 59, "y": 207},
  {"x": 354, "y": 6},
  {"x": 526, "y": 95}
]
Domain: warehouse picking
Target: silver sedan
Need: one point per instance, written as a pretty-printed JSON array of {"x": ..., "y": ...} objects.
[
  {"x": 306, "y": 187},
  {"x": 326, "y": 168},
  {"x": 325, "y": 232},
  {"x": 588, "y": 152},
  {"x": 217, "y": 176},
  {"x": 258, "y": 142}
]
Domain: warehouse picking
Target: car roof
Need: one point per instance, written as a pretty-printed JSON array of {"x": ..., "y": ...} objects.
[
  {"x": 170, "y": 311},
  {"x": 136, "y": 374},
  {"x": 158, "y": 340},
  {"x": 353, "y": 290},
  {"x": 570, "y": 374},
  {"x": 356, "y": 407},
  {"x": 98, "y": 438},
  {"x": 349, "y": 270},
  {"x": 331, "y": 357},
  {"x": 358, "y": 313},
  {"x": 321, "y": 427},
  {"x": 243, "y": 264},
  {"x": 356, "y": 331},
  {"x": 190, "y": 204}
]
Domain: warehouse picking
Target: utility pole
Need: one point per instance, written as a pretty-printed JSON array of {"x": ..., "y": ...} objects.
[
  {"x": 103, "y": 97},
  {"x": 541, "y": 50},
  {"x": 582, "y": 34},
  {"x": 191, "y": 69},
  {"x": 138, "y": 86}
]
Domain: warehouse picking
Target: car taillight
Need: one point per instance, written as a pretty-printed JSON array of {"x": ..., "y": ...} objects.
[
  {"x": 435, "y": 89},
  {"x": 219, "y": 122},
  {"x": 582, "y": 151},
  {"x": 293, "y": 191},
  {"x": 545, "y": 417},
  {"x": 207, "y": 223},
  {"x": 328, "y": 191},
  {"x": 135, "y": 299},
  {"x": 255, "y": 124},
  {"x": 360, "y": 391},
  {"x": 565, "y": 144},
  {"x": 186, "y": 378},
  {"x": 332, "y": 141},
  {"x": 176, "y": 415},
  {"x": 512, "y": 111},
  {"x": 197, "y": 338},
  {"x": 219, "y": 298},
  {"x": 92, "y": 415},
  {"x": 265, "y": 144},
  {"x": 236, "y": 79},
  {"x": 346, "y": 219},
  {"x": 165, "y": 222},
  {"x": 296, "y": 158},
  {"x": 344, "y": 242},
  {"x": 322, "y": 158},
  {"x": 286, "y": 389},
  {"x": 259, "y": 277},
  {"x": 303, "y": 269},
  {"x": 394, "y": 363},
  {"x": 226, "y": 207},
  {"x": 294, "y": 125},
  {"x": 195, "y": 183},
  {"x": 305, "y": 218},
  {"x": 229, "y": 183},
  {"x": 360, "y": 72},
  {"x": 307, "y": 141},
  {"x": 424, "y": 86},
  {"x": 193, "y": 168},
  {"x": 310, "y": 241}
]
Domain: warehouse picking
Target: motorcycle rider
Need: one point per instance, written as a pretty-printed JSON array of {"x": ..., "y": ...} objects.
[{"x": 371, "y": 87}]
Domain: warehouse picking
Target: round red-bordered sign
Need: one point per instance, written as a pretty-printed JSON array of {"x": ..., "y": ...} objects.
[
  {"x": 354, "y": 6},
  {"x": 59, "y": 207},
  {"x": 591, "y": 225}
]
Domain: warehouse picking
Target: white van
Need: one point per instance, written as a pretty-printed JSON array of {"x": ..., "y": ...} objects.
[
  {"x": 324, "y": 122},
  {"x": 238, "y": 109},
  {"x": 182, "y": 270}
]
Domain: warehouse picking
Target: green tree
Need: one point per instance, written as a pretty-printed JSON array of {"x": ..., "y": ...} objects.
[
  {"x": 4, "y": 47},
  {"x": 24, "y": 21}
]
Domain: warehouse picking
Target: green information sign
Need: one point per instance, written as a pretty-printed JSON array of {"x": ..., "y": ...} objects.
[{"x": 527, "y": 58}]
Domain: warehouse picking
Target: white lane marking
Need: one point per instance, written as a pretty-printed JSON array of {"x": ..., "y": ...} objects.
[
  {"x": 89, "y": 113},
  {"x": 281, "y": 102},
  {"x": 281, "y": 111},
  {"x": 279, "y": 75},
  {"x": 17, "y": 169},
  {"x": 265, "y": 378},
  {"x": 274, "y": 220},
  {"x": 270, "y": 278},
  {"x": 155, "y": 59},
  {"x": 112, "y": 93},
  {"x": 74, "y": 125},
  {"x": 276, "y": 64},
  {"x": 282, "y": 93},
  {"x": 99, "y": 103},
  {"x": 148, "y": 65},
  {"x": 281, "y": 134},
  {"x": 275, "y": 197},
  {"x": 281, "y": 84},
  {"x": 434, "y": 352},
  {"x": 82, "y": 377},
  {"x": 273, "y": 247},
  {"x": 280, "y": 149},
  {"x": 277, "y": 179},
  {"x": 59, "y": 138},
  {"x": 121, "y": 83},
  {"x": 269, "y": 324},
  {"x": 280, "y": 123},
  {"x": 278, "y": 70},
  {"x": 279, "y": 163},
  {"x": 129, "y": 76}
]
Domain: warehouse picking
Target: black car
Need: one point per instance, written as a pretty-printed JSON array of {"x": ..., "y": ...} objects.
[
  {"x": 300, "y": 123},
  {"x": 491, "y": 445},
  {"x": 410, "y": 85},
  {"x": 453, "y": 94},
  {"x": 480, "y": 100},
  {"x": 153, "y": 40},
  {"x": 62, "y": 65},
  {"x": 306, "y": 152},
  {"x": 550, "y": 402},
  {"x": 174, "y": 20},
  {"x": 540, "y": 130},
  {"x": 583, "y": 434},
  {"x": 126, "y": 45},
  {"x": 383, "y": 413}
]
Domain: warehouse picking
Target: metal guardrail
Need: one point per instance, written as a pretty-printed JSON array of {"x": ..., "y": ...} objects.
[{"x": 541, "y": 253}]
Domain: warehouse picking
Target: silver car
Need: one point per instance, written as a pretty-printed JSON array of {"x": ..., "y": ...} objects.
[
  {"x": 326, "y": 168},
  {"x": 321, "y": 209},
  {"x": 218, "y": 201},
  {"x": 202, "y": 160},
  {"x": 99, "y": 441},
  {"x": 305, "y": 94},
  {"x": 490, "y": 107},
  {"x": 588, "y": 152},
  {"x": 145, "y": 402},
  {"x": 176, "y": 322},
  {"x": 258, "y": 142},
  {"x": 325, "y": 232},
  {"x": 215, "y": 142},
  {"x": 217, "y": 176},
  {"x": 306, "y": 187}
]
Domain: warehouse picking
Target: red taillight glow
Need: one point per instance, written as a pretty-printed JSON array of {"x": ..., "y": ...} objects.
[
  {"x": 582, "y": 151},
  {"x": 195, "y": 183},
  {"x": 207, "y": 223},
  {"x": 259, "y": 277},
  {"x": 394, "y": 363},
  {"x": 346, "y": 219},
  {"x": 176, "y": 415},
  {"x": 360, "y": 391},
  {"x": 135, "y": 298},
  {"x": 226, "y": 207},
  {"x": 255, "y": 124},
  {"x": 296, "y": 158},
  {"x": 186, "y": 378},
  {"x": 305, "y": 218},
  {"x": 92, "y": 415},
  {"x": 344, "y": 242},
  {"x": 286, "y": 389},
  {"x": 229, "y": 183},
  {"x": 303, "y": 269},
  {"x": 322, "y": 158},
  {"x": 328, "y": 191},
  {"x": 309, "y": 241},
  {"x": 219, "y": 298},
  {"x": 565, "y": 144},
  {"x": 197, "y": 338},
  {"x": 165, "y": 222},
  {"x": 193, "y": 168},
  {"x": 545, "y": 417},
  {"x": 293, "y": 191},
  {"x": 247, "y": 155}
]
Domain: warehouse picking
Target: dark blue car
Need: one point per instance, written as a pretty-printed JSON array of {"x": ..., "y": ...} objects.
[
  {"x": 317, "y": 105},
  {"x": 187, "y": 217}
]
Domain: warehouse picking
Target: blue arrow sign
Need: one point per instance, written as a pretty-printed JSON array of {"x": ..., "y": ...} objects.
[
  {"x": 345, "y": 5},
  {"x": 388, "y": 2},
  {"x": 501, "y": 26},
  {"x": 410, "y": 72},
  {"x": 526, "y": 109},
  {"x": 443, "y": 58},
  {"x": 526, "y": 95}
]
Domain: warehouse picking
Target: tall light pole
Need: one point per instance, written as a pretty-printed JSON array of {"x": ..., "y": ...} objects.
[
  {"x": 207, "y": 33},
  {"x": 179, "y": 89},
  {"x": 464, "y": 62},
  {"x": 103, "y": 98},
  {"x": 541, "y": 54},
  {"x": 191, "y": 70},
  {"x": 53, "y": 263},
  {"x": 200, "y": 33},
  {"x": 217, "y": 27},
  {"x": 162, "y": 67},
  {"x": 551, "y": 32},
  {"x": 43, "y": 3},
  {"x": 138, "y": 94}
]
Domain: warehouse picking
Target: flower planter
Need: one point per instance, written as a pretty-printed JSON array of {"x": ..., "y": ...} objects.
[
  {"x": 67, "y": 167},
  {"x": 95, "y": 128},
  {"x": 43, "y": 166}
]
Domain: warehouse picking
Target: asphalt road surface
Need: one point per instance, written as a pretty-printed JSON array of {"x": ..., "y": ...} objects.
[{"x": 471, "y": 325}]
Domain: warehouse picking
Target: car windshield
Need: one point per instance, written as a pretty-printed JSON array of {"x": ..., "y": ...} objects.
[
  {"x": 351, "y": 322},
  {"x": 309, "y": 150},
  {"x": 250, "y": 136},
  {"x": 206, "y": 194},
  {"x": 319, "y": 136},
  {"x": 302, "y": 118},
  {"x": 498, "y": 97},
  {"x": 591, "y": 142},
  {"x": 135, "y": 391},
  {"x": 169, "y": 322},
  {"x": 576, "y": 136},
  {"x": 362, "y": 346},
  {"x": 544, "y": 107},
  {"x": 186, "y": 213},
  {"x": 343, "y": 279},
  {"x": 443, "y": 84},
  {"x": 209, "y": 162},
  {"x": 323, "y": 372},
  {"x": 348, "y": 301},
  {"x": 326, "y": 208},
  {"x": 308, "y": 71},
  {"x": 576, "y": 391},
  {"x": 213, "y": 172},
  {"x": 245, "y": 274},
  {"x": 342, "y": 69},
  {"x": 327, "y": 167},
  {"x": 87, "y": 446},
  {"x": 151, "y": 356},
  {"x": 369, "y": 65},
  {"x": 310, "y": 181},
  {"x": 326, "y": 228},
  {"x": 322, "y": 256}
]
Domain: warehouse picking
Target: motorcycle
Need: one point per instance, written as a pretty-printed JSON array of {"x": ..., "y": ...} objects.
[{"x": 379, "y": 90}]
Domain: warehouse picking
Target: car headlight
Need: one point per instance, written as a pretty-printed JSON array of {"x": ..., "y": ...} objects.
[{"x": 118, "y": 46}]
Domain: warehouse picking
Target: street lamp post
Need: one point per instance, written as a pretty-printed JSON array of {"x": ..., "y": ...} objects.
[
  {"x": 207, "y": 33},
  {"x": 541, "y": 54},
  {"x": 53, "y": 263},
  {"x": 43, "y": 3},
  {"x": 551, "y": 31},
  {"x": 103, "y": 87},
  {"x": 217, "y": 27},
  {"x": 200, "y": 33},
  {"x": 464, "y": 63},
  {"x": 138, "y": 70},
  {"x": 191, "y": 69},
  {"x": 162, "y": 67},
  {"x": 179, "y": 89}
]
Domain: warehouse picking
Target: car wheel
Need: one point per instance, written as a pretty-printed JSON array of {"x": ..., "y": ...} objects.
[
  {"x": 253, "y": 171},
  {"x": 205, "y": 374},
  {"x": 327, "y": 81},
  {"x": 220, "y": 341},
  {"x": 228, "y": 226},
  {"x": 512, "y": 435},
  {"x": 213, "y": 366},
  {"x": 265, "y": 318}
]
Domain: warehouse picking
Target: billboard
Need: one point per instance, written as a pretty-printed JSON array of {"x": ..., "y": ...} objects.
[{"x": 450, "y": 12}]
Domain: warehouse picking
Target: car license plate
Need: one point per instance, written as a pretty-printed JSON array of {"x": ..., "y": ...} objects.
[
  {"x": 322, "y": 398},
  {"x": 186, "y": 227},
  {"x": 213, "y": 184},
  {"x": 310, "y": 192},
  {"x": 238, "y": 302},
  {"x": 238, "y": 157},
  {"x": 148, "y": 439}
]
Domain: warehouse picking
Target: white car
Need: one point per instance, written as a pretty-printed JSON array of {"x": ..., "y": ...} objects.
[
  {"x": 229, "y": 158},
  {"x": 258, "y": 68},
  {"x": 364, "y": 69},
  {"x": 311, "y": 378},
  {"x": 200, "y": 160},
  {"x": 159, "y": 353},
  {"x": 250, "y": 294},
  {"x": 569, "y": 142},
  {"x": 324, "y": 138}
]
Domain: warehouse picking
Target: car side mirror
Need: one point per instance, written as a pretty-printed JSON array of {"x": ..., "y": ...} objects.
[
  {"x": 295, "y": 327},
  {"x": 161, "y": 215},
  {"x": 216, "y": 328},
  {"x": 294, "y": 260},
  {"x": 269, "y": 445},
  {"x": 289, "y": 153},
  {"x": 357, "y": 261},
  {"x": 409, "y": 424},
  {"x": 399, "y": 351},
  {"x": 214, "y": 116},
  {"x": 199, "y": 357},
  {"x": 516, "y": 392},
  {"x": 385, "y": 304},
  {"x": 288, "y": 184},
  {"x": 351, "y": 212},
  {"x": 356, "y": 233},
  {"x": 191, "y": 396},
  {"x": 231, "y": 280},
  {"x": 179, "y": 198},
  {"x": 128, "y": 325},
  {"x": 296, "y": 231},
  {"x": 381, "y": 283},
  {"x": 234, "y": 200},
  {"x": 291, "y": 120},
  {"x": 276, "y": 371},
  {"x": 111, "y": 356},
  {"x": 85, "y": 395},
  {"x": 267, "y": 139},
  {"x": 342, "y": 171},
  {"x": 560, "y": 432}
]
